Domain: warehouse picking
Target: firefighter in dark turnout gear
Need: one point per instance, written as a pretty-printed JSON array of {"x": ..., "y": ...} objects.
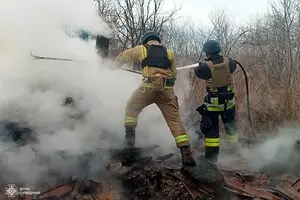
[
  {"x": 219, "y": 98},
  {"x": 159, "y": 75}
]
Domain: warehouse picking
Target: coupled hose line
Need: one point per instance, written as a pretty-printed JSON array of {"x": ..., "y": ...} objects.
[{"x": 247, "y": 91}]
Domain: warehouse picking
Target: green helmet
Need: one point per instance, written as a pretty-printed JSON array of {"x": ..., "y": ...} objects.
[
  {"x": 211, "y": 46},
  {"x": 150, "y": 35}
]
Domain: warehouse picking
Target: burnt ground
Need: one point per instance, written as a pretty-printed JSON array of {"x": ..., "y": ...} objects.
[{"x": 148, "y": 178}]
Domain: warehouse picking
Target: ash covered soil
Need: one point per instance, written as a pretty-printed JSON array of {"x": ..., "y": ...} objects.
[{"x": 153, "y": 177}]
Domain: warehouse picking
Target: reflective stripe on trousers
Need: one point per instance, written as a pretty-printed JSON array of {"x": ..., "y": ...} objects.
[
  {"x": 212, "y": 142},
  {"x": 181, "y": 139},
  {"x": 130, "y": 121},
  {"x": 220, "y": 108},
  {"x": 231, "y": 138}
]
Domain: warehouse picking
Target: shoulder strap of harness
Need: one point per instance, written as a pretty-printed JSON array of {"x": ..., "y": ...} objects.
[{"x": 226, "y": 61}]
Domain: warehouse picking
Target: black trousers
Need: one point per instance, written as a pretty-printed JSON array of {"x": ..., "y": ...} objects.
[{"x": 212, "y": 136}]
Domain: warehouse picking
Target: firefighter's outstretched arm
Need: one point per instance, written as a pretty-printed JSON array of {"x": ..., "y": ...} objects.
[
  {"x": 128, "y": 56},
  {"x": 202, "y": 71}
]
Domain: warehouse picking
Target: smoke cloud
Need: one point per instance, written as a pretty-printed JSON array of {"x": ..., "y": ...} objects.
[
  {"x": 32, "y": 92},
  {"x": 278, "y": 153}
]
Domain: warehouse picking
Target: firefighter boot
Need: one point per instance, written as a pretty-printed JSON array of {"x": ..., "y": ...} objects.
[
  {"x": 129, "y": 136},
  {"x": 128, "y": 152},
  {"x": 187, "y": 156}
]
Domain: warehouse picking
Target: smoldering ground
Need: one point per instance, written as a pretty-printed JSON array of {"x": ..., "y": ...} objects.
[
  {"x": 278, "y": 154},
  {"x": 275, "y": 154},
  {"x": 32, "y": 92}
]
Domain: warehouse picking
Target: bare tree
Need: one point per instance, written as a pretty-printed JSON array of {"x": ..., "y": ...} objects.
[
  {"x": 269, "y": 49},
  {"x": 272, "y": 45},
  {"x": 134, "y": 17},
  {"x": 186, "y": 41},
  {"x": 107, "y": 11}
]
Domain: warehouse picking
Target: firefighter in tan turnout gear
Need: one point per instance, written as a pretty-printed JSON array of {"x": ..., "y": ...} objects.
[
  {"x": 219, "y": 99},
  {"x": 159, "y": 75}
]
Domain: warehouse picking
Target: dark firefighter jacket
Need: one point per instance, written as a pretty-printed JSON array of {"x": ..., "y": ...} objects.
[
  {"x": 203, "y": 70},
  {"x": 214, "y": 99}
]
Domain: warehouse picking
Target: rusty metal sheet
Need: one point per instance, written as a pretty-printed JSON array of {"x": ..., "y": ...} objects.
[
  {"x": 296, "y": 185},
  {"x": 244, "y": 176},
  {"x": 58, "y": 191},
  {"x": 207, "y": 188},
  {"x": 282, "y": 194},
  {"x": 179, "y": 177},
  {"x": 192, "y": 191},
  {"x": 257, "y": 192},
  {"x": 238, "y": 192},
  {"x": 289, "y": 191},
  {"x": 203, "y": 189}
]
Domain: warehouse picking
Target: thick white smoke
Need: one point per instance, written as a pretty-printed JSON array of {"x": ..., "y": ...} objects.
[
  {"x": 276, "y": 153},
  {"x": 32, "y": 91}
]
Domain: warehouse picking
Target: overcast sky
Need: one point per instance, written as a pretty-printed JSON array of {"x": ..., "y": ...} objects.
[{"x": 241, "y": 10}]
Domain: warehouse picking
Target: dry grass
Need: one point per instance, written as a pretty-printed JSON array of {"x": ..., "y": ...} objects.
[{"x": 270, "y": 104}]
